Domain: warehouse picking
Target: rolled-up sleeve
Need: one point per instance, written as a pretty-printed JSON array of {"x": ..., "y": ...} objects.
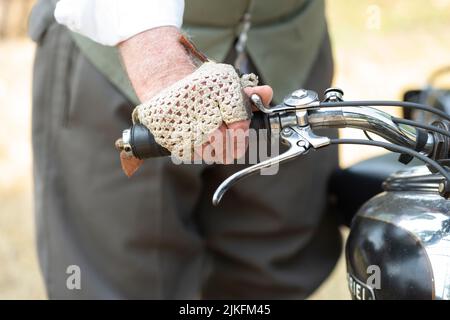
[{"x": 110, "y": 22}]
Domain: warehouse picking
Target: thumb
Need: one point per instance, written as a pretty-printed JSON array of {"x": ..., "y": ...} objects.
[{"x": 265, "y": 92}]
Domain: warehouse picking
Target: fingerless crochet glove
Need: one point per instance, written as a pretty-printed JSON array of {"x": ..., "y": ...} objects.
[{"x": 183, "y": 115}]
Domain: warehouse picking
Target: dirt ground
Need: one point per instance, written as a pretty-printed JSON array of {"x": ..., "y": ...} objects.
[{"x": 381, "y": 48}]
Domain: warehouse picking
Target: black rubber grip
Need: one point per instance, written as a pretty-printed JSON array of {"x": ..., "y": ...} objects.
[
  {"x": 144, "y": 146},
  {"x": 143, "y": 143}
]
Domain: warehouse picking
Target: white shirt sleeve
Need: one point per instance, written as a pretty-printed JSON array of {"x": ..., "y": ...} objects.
[{"x": 112, "y": 21}]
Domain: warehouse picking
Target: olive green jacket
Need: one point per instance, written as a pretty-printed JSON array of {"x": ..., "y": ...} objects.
[{"x": 282, "y": 42}]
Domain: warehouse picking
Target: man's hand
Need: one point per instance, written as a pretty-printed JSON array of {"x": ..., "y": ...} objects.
[
  {"x": 155, "y": 59},
  {"x": 234, "y": 135}
]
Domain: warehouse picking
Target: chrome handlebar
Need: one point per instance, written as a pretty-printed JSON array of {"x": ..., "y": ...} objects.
[
  {"x": 293, "y": 122},
  {"x": 368, "y": 119}
]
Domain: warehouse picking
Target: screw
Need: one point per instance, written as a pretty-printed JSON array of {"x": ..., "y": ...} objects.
[
  {"x": 333, "y": 95},
  {"x": 334, "y": 89},
  {"x": 286, "y": 132},
  {"x": 301, "y": 143},
  {"x": 300, "y": 93}
]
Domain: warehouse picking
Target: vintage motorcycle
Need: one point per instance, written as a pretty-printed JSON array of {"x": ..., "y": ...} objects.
[{"x": 400, "y": 237}]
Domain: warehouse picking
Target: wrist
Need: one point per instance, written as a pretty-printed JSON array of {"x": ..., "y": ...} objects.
[
  {"x": 154, "y": 60},
  {"x": 159, "y": 80}
]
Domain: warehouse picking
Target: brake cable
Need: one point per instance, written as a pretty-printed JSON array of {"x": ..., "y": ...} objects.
[
  {"x": 381, "y": 103},
  {"x": 444, "y": 189},
  {"x": 421, "y": 125}
]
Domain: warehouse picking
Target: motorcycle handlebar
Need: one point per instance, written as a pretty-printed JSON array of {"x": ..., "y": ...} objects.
[{"x": 139, "y": 142}]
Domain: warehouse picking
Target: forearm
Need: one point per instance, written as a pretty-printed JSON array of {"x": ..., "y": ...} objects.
[{"x": 154, "y": 60}]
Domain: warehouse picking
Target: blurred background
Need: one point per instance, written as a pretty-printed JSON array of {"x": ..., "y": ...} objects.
[{"x": 381, "y": 48}]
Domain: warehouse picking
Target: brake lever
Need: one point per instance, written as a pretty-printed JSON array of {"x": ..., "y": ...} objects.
[
  {"x": 289, "y": 120},
  {"x": 290, "y": 137},
  {"x": 299, "y": 141}
]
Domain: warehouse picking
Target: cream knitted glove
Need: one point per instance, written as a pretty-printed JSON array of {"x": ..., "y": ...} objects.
[{"x": 182, "y": 116}]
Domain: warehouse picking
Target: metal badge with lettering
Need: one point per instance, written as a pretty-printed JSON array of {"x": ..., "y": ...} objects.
[{"x": 359, "y": 290}]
